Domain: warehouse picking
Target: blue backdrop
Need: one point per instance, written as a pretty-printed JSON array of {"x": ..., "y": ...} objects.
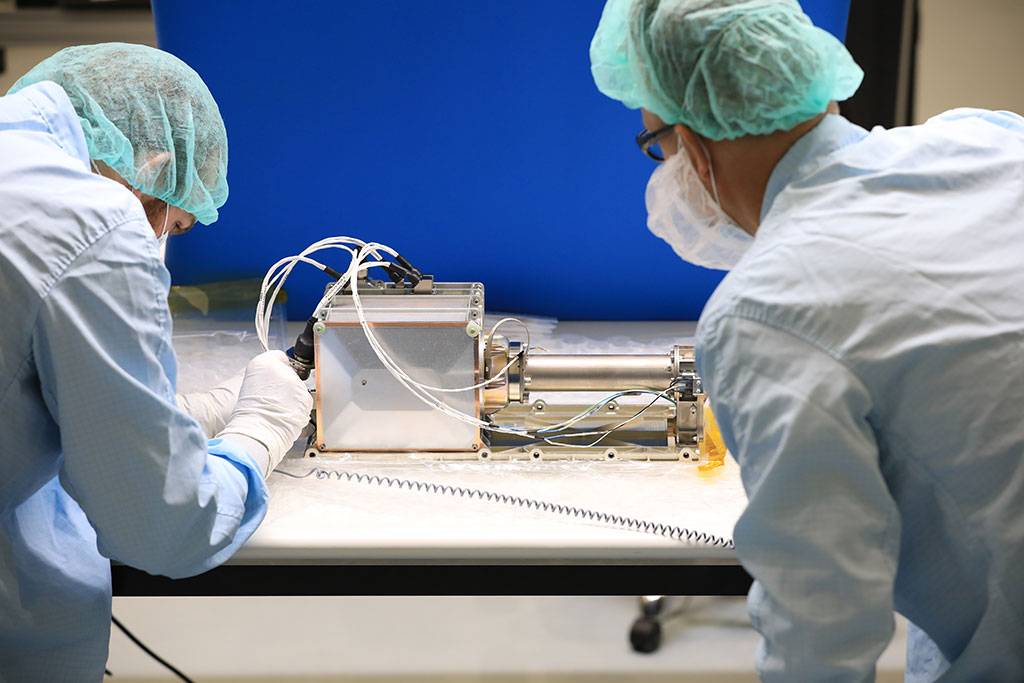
[{"x": 467, "y": 135}]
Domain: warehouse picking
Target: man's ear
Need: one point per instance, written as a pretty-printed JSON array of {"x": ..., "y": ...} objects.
[
  {"x": 150, "y": 173},
  {"x": 694, "y": 148}
]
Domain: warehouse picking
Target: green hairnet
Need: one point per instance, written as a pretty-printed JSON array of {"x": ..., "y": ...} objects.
[
  {"x": 724, "y": 68},
  {"x": 148, "y": 116}
]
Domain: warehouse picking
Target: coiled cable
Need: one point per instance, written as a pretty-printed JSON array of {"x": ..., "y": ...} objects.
[{"x": 676, "y": 533}]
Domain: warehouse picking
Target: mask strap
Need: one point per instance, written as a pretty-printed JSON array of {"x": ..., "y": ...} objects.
[
  {"x": 162, "y": 239},
  {"x": 711, "y": 168},
  {"x": 711, "y": 172},
  {"x": 167, "y": 212}
]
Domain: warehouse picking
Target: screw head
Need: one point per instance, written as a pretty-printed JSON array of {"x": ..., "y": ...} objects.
[{"x": 319, "y": 328}]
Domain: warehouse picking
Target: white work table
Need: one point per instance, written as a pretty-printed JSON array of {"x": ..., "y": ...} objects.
[{"x": 322, "y": 529}]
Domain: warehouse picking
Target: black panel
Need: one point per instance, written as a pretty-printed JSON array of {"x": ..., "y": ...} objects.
[
  {"x": 878, "y": 42},
  {"x": 244, "y": 580}
]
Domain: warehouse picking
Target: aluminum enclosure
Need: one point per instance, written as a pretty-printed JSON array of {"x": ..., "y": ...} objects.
[{"x": 434, "y": 337}]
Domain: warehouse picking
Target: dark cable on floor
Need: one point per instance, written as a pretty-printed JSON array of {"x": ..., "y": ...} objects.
[{"x": 142, "y": 646}]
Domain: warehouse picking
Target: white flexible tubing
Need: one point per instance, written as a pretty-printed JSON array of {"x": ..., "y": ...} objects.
[
  {"x": 403, "y": 378},
  {"x": 400, "y": 374},
  {"x": 263, "y": 317},
  {"x": 418, "y": 389},
  {"x": 282, "y": 275},
  {"x": 290, "y": 261},
  {"x": 423, "y": 395},
  {"x": 603, "y": 434},
  {"x": 427, "y": 387},
  {"x": 355, "y": 266}
]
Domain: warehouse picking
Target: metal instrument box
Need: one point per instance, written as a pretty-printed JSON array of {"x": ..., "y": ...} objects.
[{"x": 434, "y": 334}]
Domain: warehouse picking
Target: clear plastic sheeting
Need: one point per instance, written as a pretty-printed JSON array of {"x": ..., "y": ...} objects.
[
  {"x": 375, "y": 517},
  {"x": 205, "y": 359},
  {"x": 213, "y": 331},
  {"x": 332, "y": 519},
  {"x": 540, "y": 327}
]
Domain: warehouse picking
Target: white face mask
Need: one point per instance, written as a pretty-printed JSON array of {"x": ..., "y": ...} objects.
[{"x": 683, "y": 213}]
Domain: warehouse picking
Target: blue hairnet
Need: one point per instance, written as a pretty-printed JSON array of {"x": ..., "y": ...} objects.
[
  {"x": 148, "y": 116},
  {"x": 724, "y": 68}
]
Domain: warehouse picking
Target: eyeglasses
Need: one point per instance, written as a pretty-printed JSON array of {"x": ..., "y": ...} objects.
[{"x": 647, "y": 140}]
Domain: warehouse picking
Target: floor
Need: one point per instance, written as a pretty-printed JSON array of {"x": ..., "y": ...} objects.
[{"x": 430, "y": 640}]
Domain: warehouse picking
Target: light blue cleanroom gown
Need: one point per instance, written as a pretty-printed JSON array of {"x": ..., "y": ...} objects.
[
  {"x": 865, "y": 360},
  {"x": 96, "y": 460}
]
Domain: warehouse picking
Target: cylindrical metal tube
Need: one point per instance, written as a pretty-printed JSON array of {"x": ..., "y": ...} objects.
[{"x": 556, "y": 372}]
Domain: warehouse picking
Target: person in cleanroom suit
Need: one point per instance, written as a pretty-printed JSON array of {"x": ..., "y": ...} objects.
[
  {"x": 865, "y": 354},
  {"x": 106, "y": 150}
]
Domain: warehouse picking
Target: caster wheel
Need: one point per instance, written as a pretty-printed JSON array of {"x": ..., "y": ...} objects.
[{"x": 645, "y": 635}]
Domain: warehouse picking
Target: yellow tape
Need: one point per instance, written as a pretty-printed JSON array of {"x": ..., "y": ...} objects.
[{"x": 712, "y": 447}]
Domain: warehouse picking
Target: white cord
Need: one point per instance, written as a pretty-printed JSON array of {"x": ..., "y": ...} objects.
[
  {"x": 280, "y": 271},
  {"x": 490, "y": 335},
  {"x": 416, "y": 388},
  {"x": 561, "y": 426},
  {"x": 264, "y": 307},
  {"x": 602, "y": 435}
]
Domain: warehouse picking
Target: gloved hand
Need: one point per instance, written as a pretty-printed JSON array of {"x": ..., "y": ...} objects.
[
  {"x": 272, "y": 408},
  {"x": 212, "y": 409}
]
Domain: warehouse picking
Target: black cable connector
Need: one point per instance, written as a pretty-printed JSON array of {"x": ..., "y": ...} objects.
[
  {"x": 401, "y": 270},
  {"x": 301, "y": 355},
  {"x": 332, "y": 273}
]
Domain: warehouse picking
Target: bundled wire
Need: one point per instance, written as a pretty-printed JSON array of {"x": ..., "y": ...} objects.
[
  {"x": 603, "y": 434},
  {"x": 364, "y": 256}
]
